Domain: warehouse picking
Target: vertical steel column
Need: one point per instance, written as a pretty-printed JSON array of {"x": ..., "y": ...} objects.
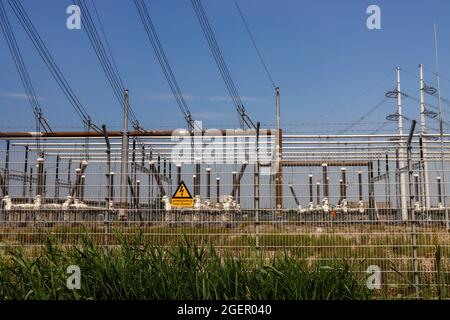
[
  {"x": 423, "y": 131},
  {"x": 30, "y": 183},
  {"x": 318, "y": 193},
  {"x": 198, "y": 177},
  {"x": 178, "y": 174},
  {"x": 360, "y": 186},
  {"x": 57, "y": 178},
  {"x": 45, "y": 183},
  {"x": 234, "y": 173},
  {"x": 325, "y": 180},
  {"x": 403, "y": 201},
  {"x": 278, "y": 158},
  {"x": 77, "y": 183},
  {"x": 344, "y": 183},
  {"x": 412, "y": 211},
  {"x": 6, "y": 170},
  {"x": 256, "y": 186},
  {"x": 82, "y": 184},
  {"x": 133, "y": 164},
  {"x": 388, "y": 182},
  {"x": 416, "y": 187},
  {"x": 208, "y": 184},
  {"x": 25, "y": 173},
  {"x": 69, "y": 169},
  {"x": 371, "y": 189},
  {"x": 439, "y": 188},
  {"x": 194, "y": 182},
  {"x": 218, "y": 190},
  {"x": 310, "y": 182},
  {"x": 40, "y": 177},
  {"x": 123, "y": 214}
]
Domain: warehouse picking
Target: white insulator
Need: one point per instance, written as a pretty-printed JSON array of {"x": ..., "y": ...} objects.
[
  {"x": 417, "y": 206},
  {"x": 8, "y": 203},
  {"x": 197, "y": 203},
  {"x": 361, "y": 206},
  {"x": 311, "y": 206},
  {"x": 167, "y": 205},
  {"x": 67, "y": 203},
  {"x": 344, "y": 205},
  {"x": 325, "y": 205},
  {"x": 37, "y": 202}
]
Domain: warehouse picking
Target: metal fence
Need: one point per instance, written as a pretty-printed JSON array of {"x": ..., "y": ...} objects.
[{"x": 377, "y": 201}]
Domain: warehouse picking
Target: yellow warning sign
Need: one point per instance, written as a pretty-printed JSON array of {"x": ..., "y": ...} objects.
[{"x": 182, "y": 197}]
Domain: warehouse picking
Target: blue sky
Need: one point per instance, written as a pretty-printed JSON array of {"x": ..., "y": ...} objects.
[{"x": 331, "y": 69}]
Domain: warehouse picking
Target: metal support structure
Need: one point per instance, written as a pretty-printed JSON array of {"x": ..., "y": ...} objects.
[
  {"x": 388, "y": 183},
  {"x": 360, "y": 186},
  {"x": 208, "y": 184},
  {"x": 278, "y": 157},
  {"x": 40, "y": 177},
  {"x": 197, "y": 183},
  {"x": 411, "y": 208},
  {"x": 325, "y": 180},
  {"x": 423, "y": 132},
  {"x": 439, "y": 189},
  {"x": 124, "y": 163},
  {"x": 256, "y": 186},
  {"x": 344, "y": 183},
  {"x": 57, "y": 178},
  {"x": 178, "y": 174},
  {"x": 403, "y": 201},
  {"x": 297, "y": 202},
  {"x": 218, "y": 190},
  {"x": 25, "y": 173},
  {"x": 310, "y": 184},
  {"x": 371, "y": 189},
  {"x": 6, "y": 169}
]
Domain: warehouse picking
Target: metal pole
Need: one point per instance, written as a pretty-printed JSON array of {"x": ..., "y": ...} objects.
[
  {"x": 218, "y": 190},
  {"x": 69, "y": 168},
  {"x": 439, "y": 187},
  {"x": 82, "y": 184},
  {"x": 325, "y": 180},
  {"x": 441, "y": 129},
  {"x": 318, "y": 193},
  {"x": 208, "y": 184},
  {"x": 416, "y": 188},
  {"x": 25, "y": 173},
  {"x": 278, "y": 154},
  {"x": 178, "y": 174},
  {"x": 256, "y": 186},
  {"x": 234, "y": 174},
  {"x": 371, "y": 189},
  {"x": 40, "y": 176},
  {"x": 310, "y": 182},
  {"x": 360, "y": 187},
  {"x": 404, "y": 208},
  {"x": 194, "y": 182},
  {"x": 344, "y": 183},
  {"x": 388, "y": 182},
  {"x": 412, "y": 211},
  {"x": 423, "y": 131},
  {"x": 124, "y": 164},
  {"x": 57, "y": 178},
  {"x": 198, "y": 177},
  {"x": 6, "y": 170}
]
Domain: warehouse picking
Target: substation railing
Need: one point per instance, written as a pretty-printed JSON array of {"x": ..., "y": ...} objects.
[{"x": 380, "y": 202}]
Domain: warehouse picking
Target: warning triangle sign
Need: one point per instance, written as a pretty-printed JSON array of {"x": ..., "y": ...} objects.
[{"x": 182, "y": 192}]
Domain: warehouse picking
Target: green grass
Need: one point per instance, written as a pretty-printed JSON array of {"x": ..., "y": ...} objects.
[{"x": 136, "y": 270}]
